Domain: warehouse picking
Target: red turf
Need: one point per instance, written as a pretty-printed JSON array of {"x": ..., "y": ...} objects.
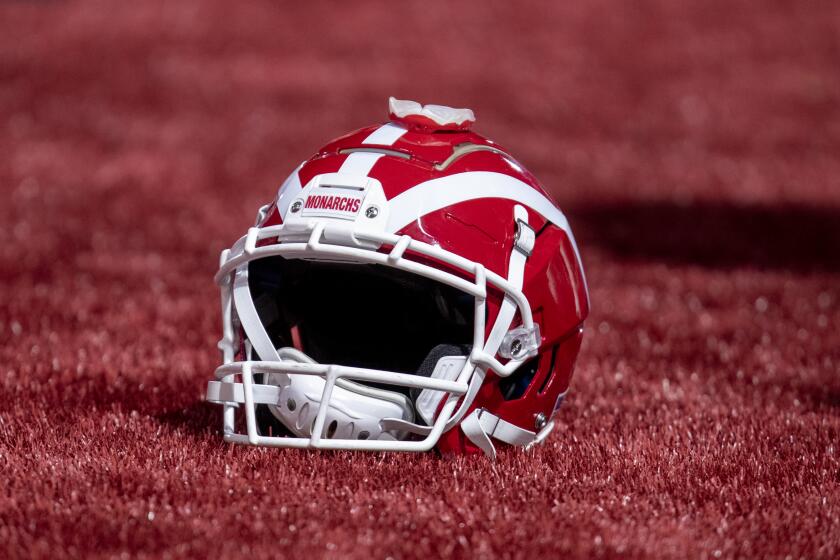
[{"x": 695, "y": 150}]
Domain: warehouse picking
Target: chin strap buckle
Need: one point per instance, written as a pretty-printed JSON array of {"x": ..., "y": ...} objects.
[{"x": 525, "y": 237}]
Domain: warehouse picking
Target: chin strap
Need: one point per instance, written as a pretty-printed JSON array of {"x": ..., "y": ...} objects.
[
  {"x": 523, "y": 246},
  {"x": 481, "y": 425}
]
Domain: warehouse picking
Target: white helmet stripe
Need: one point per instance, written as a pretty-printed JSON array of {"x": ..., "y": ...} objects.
[
  {"x": 385, "y": 135},
  {"x": 436, "y": 194},
  {"x": 360, "y": 163}
]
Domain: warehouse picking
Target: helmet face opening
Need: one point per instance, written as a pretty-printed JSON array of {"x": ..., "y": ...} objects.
[{"x": 359, "y": 315}]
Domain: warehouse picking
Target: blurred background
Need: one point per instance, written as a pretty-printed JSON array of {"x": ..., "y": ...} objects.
[{"x": 693, "y": 146}]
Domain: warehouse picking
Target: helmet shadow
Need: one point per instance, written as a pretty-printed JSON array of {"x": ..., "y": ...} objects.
[{"x": 794, "y": 238}]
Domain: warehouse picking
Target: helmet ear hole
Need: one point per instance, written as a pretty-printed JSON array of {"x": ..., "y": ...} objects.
[{"x": 515, "y": 385}]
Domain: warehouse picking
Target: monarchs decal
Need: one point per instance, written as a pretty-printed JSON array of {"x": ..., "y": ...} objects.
[
  {"x": 329, "y": 202},
  {"x": 333, "y": 202}
]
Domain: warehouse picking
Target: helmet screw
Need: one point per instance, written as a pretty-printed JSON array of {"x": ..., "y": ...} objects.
[
  {"x": 296, "y": 205},
  {"x": 540, "y": 421},
  {"x": 515, "y": 347},
  {"x": 372, "y": 212}
]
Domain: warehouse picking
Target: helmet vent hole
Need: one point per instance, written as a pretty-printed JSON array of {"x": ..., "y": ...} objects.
[
  {"x": 550, "y": 373},
  {"x": 516, "y": 385},
  {"x": 291, "y": 405},
  {"x": 331, "y": 429},
  {"x": 364, "y": 434}
]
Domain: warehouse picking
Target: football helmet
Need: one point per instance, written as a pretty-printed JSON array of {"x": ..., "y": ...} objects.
[{"x": 411, "y": 286}]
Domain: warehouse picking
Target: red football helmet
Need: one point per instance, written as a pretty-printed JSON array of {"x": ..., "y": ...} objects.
[{"x": 411, "y": 286}]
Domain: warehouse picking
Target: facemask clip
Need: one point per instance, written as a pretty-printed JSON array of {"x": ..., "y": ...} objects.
[{"x": 520, "y": 342}]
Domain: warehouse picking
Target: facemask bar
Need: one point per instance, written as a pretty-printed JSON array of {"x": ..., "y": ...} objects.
[
  {"x": 315, "y": 244},
  {"x": 331, "y": 374}
]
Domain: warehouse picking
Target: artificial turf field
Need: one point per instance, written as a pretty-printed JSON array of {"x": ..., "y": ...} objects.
[{"x": 695, "y": 148}]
